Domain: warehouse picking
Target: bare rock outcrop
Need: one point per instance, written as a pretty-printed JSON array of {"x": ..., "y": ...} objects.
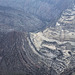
[{"x": 56, "y": 46}]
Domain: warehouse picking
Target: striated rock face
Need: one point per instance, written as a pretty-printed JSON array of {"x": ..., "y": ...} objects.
[
  {"x": 47, "y": 52},
  {"x": 54, "y": 51},
  {"x": 56, "y": 46},
  {"x": 17, "y": 57},
  {"x": 67, "y": 20},
  {"x": 12, "y": 19}
]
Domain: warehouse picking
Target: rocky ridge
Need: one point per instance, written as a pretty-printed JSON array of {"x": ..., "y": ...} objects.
[
  {"x": 46, "y": 52},
  {"x": 56, "y": 46}
]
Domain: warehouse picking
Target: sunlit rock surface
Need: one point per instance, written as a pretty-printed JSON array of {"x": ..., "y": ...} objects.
[{"x": 56, "y": 46}]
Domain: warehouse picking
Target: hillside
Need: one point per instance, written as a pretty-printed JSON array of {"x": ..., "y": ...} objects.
[
  {"x": 37, "y": 37},
  {"x": 46, "y": 10},
  {"x": 56, "y": 46}
]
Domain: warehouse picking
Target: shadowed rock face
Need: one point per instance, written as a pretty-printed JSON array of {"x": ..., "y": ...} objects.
[{"x": 16, "y": 56}]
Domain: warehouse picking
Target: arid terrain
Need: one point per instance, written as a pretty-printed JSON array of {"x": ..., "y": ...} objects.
[
  {"x": 56, "y": 46},
  {"x": 37, "y": 37}
]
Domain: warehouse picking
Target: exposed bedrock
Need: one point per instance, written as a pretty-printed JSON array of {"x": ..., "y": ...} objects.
[
  {"x": 47, "y": 52},
  {"x": 17, "y": 57},
  {"x": 56, "y": 46},
  {"x": 31, "y": 15}
]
